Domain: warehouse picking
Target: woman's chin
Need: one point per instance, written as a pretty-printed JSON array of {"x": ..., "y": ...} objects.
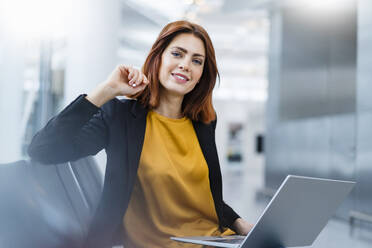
[{"x": 177, "y": 90}]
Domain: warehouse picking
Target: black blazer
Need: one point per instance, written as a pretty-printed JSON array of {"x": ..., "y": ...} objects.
[{"x": 83, "y": 129}]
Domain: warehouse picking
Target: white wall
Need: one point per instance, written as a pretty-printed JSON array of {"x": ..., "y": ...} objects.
[
  {"x": 251, "y": 114},
  {"x": 11, "y": 85},
  {"x": 92, "y": 45}
]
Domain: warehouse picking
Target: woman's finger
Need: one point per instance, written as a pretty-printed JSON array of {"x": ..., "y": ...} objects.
[
  {"x": 145, "y": 80},
  {"x": 136, "y": 81},
  {"x": 139, "y": 79},
  {"x": 131, "y": 71},
  {"x": 123, "y": 71},
  {"x": 134, "y": 77},
  {"x": 140, "y": 87}
]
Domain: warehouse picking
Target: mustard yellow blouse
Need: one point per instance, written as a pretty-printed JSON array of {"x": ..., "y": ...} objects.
[{"x": 171, "y": 196}]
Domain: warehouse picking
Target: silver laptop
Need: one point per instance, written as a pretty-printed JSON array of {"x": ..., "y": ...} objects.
[{"x": 295, "y": 216}]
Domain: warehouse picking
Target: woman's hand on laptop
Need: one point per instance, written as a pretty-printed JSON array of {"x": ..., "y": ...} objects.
[{"x": 242, "y": 227}]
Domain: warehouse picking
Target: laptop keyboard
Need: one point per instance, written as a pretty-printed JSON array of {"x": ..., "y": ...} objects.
[{"x": 228, "y": 241}]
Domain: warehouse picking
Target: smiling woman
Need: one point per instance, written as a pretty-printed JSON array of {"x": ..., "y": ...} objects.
[
  {"x": 181, "y": 66},
  {"x": 162, "y": 176},
  {"x": 184, "y": 53}
]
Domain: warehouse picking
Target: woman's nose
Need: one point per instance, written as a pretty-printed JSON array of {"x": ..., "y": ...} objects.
[{"x": 183, "y": 66}]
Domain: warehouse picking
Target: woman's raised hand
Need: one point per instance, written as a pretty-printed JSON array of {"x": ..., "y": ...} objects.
[
  {"x": 123, "y": 81},
  {"x": 126, "y": 81}
]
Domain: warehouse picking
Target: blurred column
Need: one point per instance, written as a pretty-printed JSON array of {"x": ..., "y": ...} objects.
[
  {"x": 312, "y": 91},
  {"x": 364, "y": 109},
  {"x": 92, "y": 45},
  {"x": 11, "y": 88}
]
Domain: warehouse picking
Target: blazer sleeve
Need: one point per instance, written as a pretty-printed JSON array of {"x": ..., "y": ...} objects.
[
  {"x": 79, "y": 130},
  {"x": 229, "y": 215}
]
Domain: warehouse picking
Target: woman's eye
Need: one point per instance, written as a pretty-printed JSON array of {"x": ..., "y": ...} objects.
[
  {"x": 196, "y": 61},
  {"x": 176, "y": 54}
]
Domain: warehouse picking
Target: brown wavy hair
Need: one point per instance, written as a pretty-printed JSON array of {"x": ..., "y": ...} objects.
[{"x": 197, "y": 104}]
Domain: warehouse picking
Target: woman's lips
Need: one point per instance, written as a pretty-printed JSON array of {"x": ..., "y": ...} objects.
[{"x": 180, "y": 78}]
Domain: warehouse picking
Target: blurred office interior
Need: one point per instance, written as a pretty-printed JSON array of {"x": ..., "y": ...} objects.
[{"x": 293, "y": 96}]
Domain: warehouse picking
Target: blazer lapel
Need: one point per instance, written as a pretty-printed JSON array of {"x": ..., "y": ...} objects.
[
  {"x": 206, "y": 137},
  {"x": 136, "y": 134}
]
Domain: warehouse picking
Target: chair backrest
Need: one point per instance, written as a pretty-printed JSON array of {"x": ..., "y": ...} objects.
[{"x": 47, "y": 205}]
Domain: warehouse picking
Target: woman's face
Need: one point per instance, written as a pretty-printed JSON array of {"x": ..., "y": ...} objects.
[{"x": 182, "y": 64}]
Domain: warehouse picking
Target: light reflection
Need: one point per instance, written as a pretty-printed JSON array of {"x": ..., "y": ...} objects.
[
  {"x": 321, "y": 5},
  {"x": 36, "y": 19}
]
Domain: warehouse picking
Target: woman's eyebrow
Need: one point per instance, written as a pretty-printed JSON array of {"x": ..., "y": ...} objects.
[{"x": 185, "y": 51}]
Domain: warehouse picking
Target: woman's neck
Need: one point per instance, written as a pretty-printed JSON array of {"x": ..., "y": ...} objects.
[{"x": 170, "y": 106}]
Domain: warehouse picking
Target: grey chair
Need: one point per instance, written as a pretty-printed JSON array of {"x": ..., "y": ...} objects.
[{"x": 47, "y": 205}]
